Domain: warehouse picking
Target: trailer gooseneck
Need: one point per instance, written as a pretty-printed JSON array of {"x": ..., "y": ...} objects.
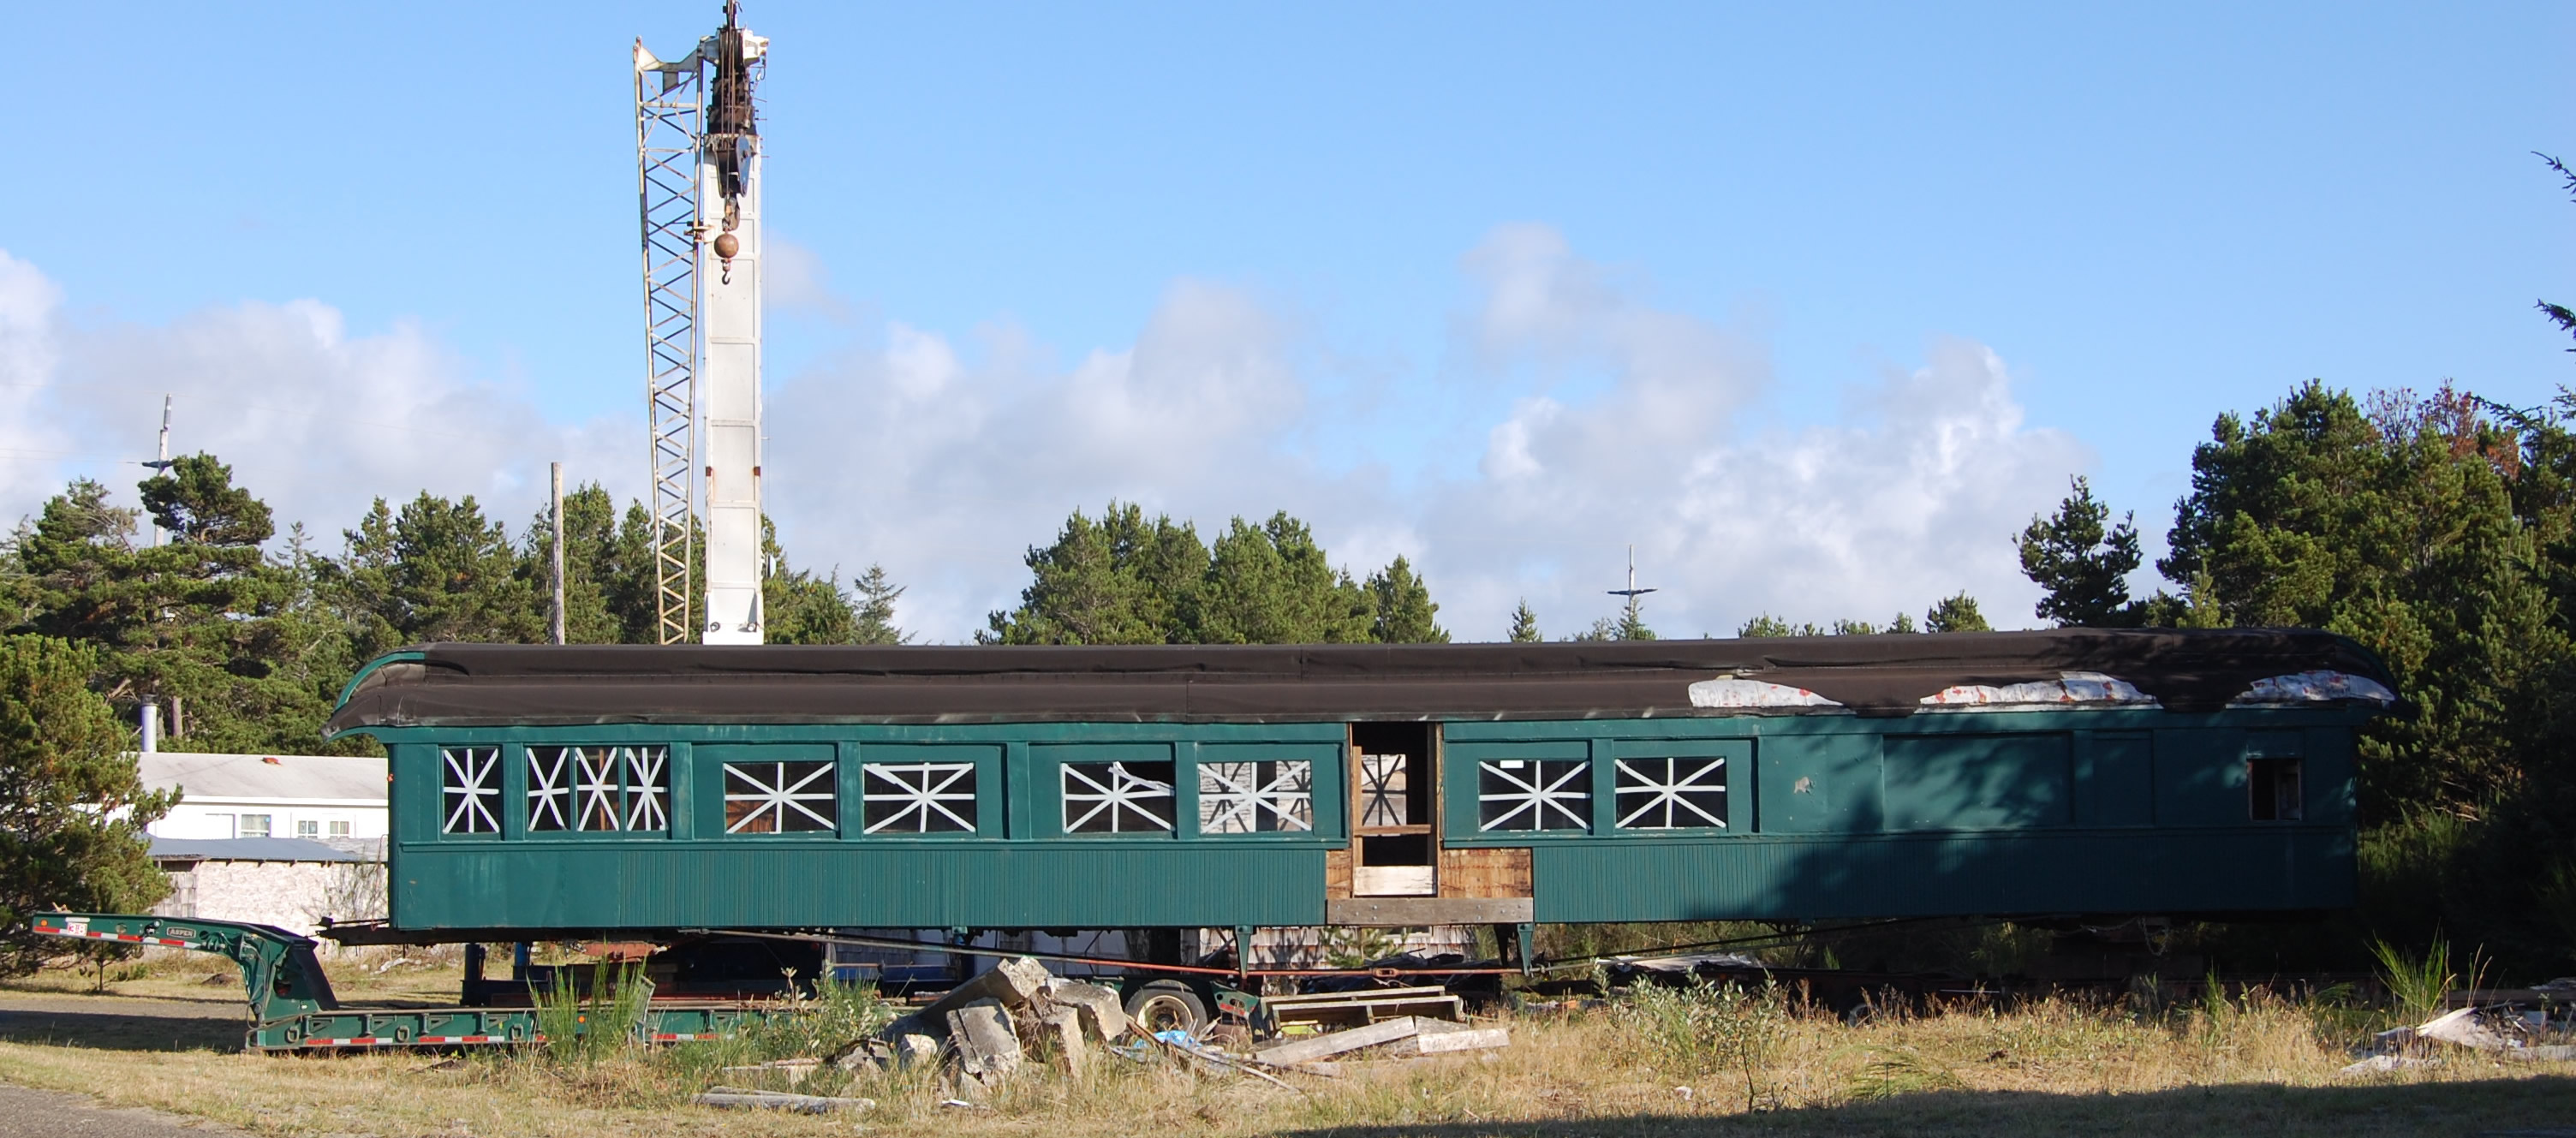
[{"x": 292, "y": 1006}]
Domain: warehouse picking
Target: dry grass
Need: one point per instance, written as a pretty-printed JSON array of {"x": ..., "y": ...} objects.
[{"x": 1703, "y": 1063}]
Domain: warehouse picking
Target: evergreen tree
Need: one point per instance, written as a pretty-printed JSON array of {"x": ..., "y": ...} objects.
[
  {"x": 1271, "y": 584},
  {"x": 595, "y": 566},
  {"x": 1404, "y": 612},
  {"x": 874, "y": 613},
  {"x": 1120, "y": 580},
  {"x": 436, "y": 571},
  {"x": 1955, "y": 613},
  {"x": 72, "y": 804},
  {"x": 1767, "y": 625},
  {"x": 1525, "y": 625},
  {"x": 2083, "y": 562}
]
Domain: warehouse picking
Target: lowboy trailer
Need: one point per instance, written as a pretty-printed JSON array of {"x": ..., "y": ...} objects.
[{"x": 292, "y": 1007}]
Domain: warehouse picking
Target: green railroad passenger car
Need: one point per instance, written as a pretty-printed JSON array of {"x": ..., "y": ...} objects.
[{"x": 633, "y": 792}]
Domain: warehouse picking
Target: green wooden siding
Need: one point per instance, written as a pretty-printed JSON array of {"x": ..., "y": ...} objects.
[{"x": 1825, "y": 816}]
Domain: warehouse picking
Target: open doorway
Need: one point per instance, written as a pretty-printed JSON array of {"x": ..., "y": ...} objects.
[{"x": 1395, "y": 803}]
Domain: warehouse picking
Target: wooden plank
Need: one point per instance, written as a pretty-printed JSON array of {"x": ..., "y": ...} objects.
[
  {"x": 1472, "y": 1039},
  {"x": 1321, "y": 1046},
  {"x": 1409, "y": 911},
  {"x": 1486, "y": 872},
  {"x": 1337, "y": 874}
]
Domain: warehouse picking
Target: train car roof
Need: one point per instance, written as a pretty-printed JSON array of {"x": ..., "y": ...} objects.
[{"x": 541, "y": 685}]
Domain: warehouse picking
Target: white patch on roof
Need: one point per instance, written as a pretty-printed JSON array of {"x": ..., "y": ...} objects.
[
  {"x": 2083, "y": 689},
  {"x": 1730, "y": 692},
  {"x": 267, "y": 778},
  {"x": 2315, "y": 687}
]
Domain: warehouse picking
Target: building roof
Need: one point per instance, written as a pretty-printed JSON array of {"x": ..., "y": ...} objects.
[
  {"x": 267, "y": 778},
  {"x": 247, "y": 849},
  {"x": 2179, "y": 670}
]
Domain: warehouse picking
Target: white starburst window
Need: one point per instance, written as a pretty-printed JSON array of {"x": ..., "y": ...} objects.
[
  {"x": 918, "y": 798},
  {"x": 1256, "y": 797},
  {"x": 1671, "y": 794},
  {"x": 598, "y": 788},
  {"x": 1534, "y": 794},
  {"x": 780, "y": 798},
  {"x": 469, "y": 790},
  {"x": 1383, "y": 793},
  {"x": 1117, "y": 798}
]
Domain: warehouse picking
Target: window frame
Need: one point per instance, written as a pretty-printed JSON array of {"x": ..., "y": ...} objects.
[
  {"x": 524, "y": 766},
  {"x": 1047, "y": 763},
  {"x": 1325, "y": 814},
  {"x": 1740, "y": 781},
  {"x": 707, "y": 763},
  {"x": 990, "y": 785}
]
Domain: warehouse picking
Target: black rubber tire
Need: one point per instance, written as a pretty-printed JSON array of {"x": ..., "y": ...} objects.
[{"x": 1167, "y": 1005}]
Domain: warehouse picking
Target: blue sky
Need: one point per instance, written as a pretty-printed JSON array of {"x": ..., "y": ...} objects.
[{"x": 2148, "y": 215}]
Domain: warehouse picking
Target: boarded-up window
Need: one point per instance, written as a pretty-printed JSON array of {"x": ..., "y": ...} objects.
[
  {"x": 1256, "y": 797},
  {"x": 781, "y": 798},
  {"x": 1672, "y": 794},
  {"x": 1117, "y": 798},
  {"x": 599, "y": 788},
  {"x": 918, "y": 798},
  {"x": 1533, "y": 794},
  {"x": 469, "y": 790}
]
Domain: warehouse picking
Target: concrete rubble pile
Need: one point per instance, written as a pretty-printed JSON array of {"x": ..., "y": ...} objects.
[
  {"x": 2526, "y": 1023},
  {"x": 987, "y": 1027}
]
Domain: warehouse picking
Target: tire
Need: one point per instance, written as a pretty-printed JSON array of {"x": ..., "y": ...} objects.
[{"x": 1166, "y": 1005}]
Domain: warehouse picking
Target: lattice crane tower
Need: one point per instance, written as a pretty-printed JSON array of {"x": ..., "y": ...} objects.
[{"x": 697, "y": 152}]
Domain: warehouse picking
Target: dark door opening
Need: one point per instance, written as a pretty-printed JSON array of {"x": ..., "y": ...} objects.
[{"x": 1395, "y": 805}]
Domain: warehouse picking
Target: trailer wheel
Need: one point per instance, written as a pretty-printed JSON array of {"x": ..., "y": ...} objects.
[{"x": 1166, "y": 1005}]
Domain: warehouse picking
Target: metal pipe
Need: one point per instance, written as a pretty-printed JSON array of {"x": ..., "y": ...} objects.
[{"x": 151, "y": 725}]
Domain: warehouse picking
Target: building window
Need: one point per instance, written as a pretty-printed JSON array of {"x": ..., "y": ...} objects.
[
  {"x": 780, "y": 798},
  {"x": 340, "y": 829},
  {"x": 1533, "y": 794},
  {"x": 599, "y": 788},
  {"x": 307, "y": 828},
  {"x": 1256, "y": 797},
  {"x": 254, "y": 825},
  {"x": 918, "y": 798},
  {"x": 469, "y": 786},
  {"x": 1117, "y": 798},
  {"x": 1671, "y": 794},
  {"x": 2273, "y": 792}
]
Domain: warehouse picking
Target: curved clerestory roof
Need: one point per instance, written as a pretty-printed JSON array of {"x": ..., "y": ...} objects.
[{"x": 2178, "y": 670}]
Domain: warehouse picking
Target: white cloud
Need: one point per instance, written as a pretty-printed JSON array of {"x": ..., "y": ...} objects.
[
  {"x": 1603, "y": 419},
  {"x": 313, "y": 419}
]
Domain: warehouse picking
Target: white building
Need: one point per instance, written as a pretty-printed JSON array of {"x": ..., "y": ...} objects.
[{"x": 325, "y": 798}]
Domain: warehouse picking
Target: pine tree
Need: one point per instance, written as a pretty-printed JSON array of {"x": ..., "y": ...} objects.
[
  {"x": 875, "y": 608},
  {"x": 1955, "y": 613},
  {"x": 1525, "y": 625},
  {"x": 2083, "y": 562},
  {"x": 1271, "y": 584},
  {"x": 75, "y": 803},
  {"x": 1767, "y": 625},
  {"x": 1403, "y": 609},
  {"x": 1120, "y": 580}
]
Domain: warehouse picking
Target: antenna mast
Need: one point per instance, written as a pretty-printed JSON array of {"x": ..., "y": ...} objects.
[
  {"x": 1632, "y": 592},
  {"x": 697, "y": 150}
]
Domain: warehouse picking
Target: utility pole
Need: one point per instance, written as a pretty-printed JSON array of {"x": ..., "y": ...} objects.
[
  {"x": 558, "y": 522},
  {"x": 1632, "y": 592}
]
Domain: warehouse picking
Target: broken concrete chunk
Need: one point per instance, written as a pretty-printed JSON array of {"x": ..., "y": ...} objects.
[
  {"x": 2462, "y": 1027},
  {"x": 988, "y": 1045},
  {"x": 1103, "y": 1014},
  {"x": 1061, "y": 1032},
  {"x": 914, "y": 1049},
  {"x": 1012, "y": 983}
]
